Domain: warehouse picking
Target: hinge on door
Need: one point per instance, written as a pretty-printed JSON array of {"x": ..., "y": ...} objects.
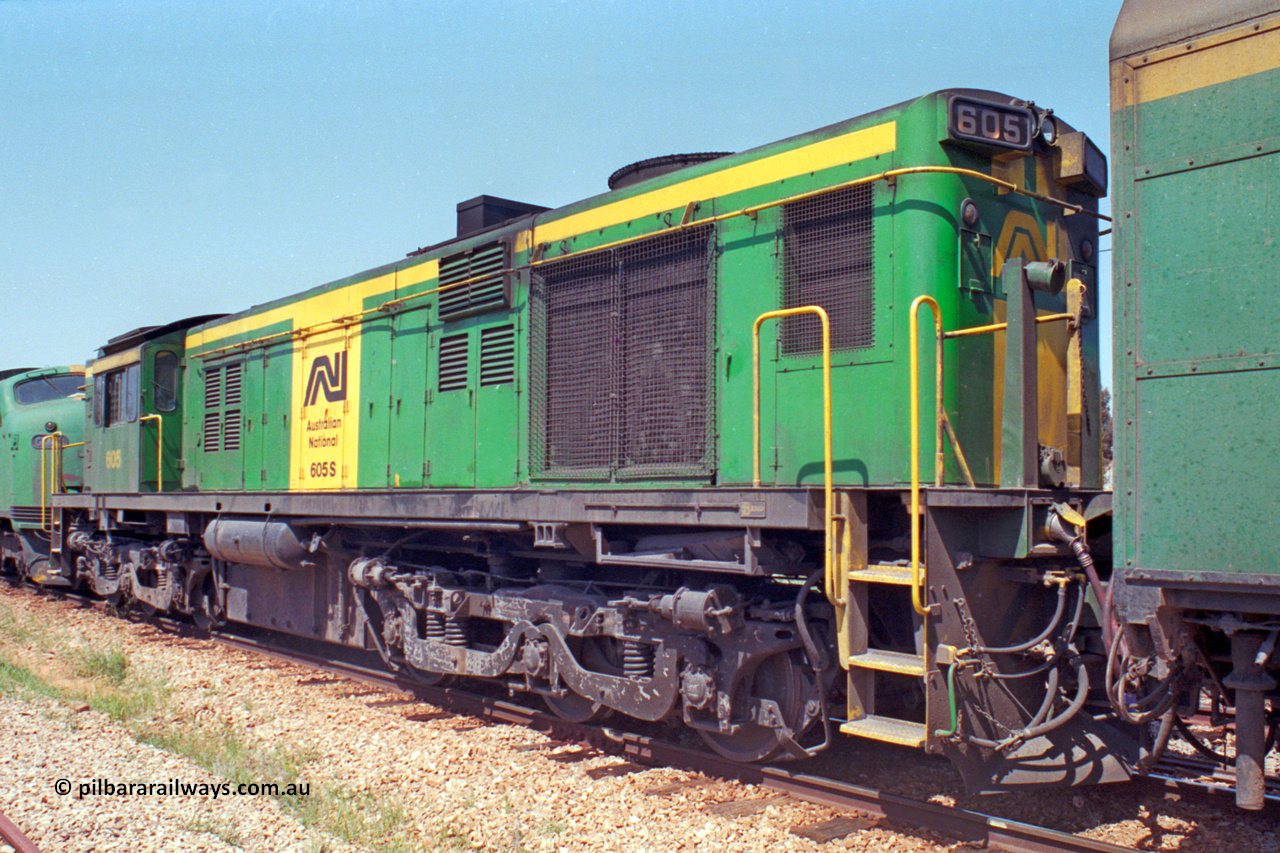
[
  {"x": 388, "y": 470},
  {"x": 426, "y": 468},
  {"x": 264, "y": 475}
]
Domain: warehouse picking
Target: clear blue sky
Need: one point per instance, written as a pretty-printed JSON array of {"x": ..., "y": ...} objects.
[{"x": 162, "y": 159}]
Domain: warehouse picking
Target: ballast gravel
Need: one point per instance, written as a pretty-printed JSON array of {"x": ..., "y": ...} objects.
[
  {"x": 43, "y": 743},
  {"x": 463, "y": 783}
]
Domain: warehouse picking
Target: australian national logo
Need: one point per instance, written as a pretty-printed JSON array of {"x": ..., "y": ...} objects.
[
  {"x": 324, "y": 430},
  {"x": 328, "y": 375}
]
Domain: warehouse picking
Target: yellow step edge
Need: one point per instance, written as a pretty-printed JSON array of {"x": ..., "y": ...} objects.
[
  {"x": 883, "y": 573},
  {"x": 887, "y": 729},
  {"x": 882, "y": 661}
]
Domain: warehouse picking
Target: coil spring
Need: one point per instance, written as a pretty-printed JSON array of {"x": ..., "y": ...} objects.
[
  {"x": 435, "y": 627},
  {"x": 455, "y": 630},
  {"x": 637, "y": 659}
]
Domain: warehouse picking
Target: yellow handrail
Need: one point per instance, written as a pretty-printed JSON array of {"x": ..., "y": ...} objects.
[
  {"x": 51, "y": 483},
  {"x": 686, "y": 221},
  {"x": 1000, "y": 327},
  {"x": 942, "y": 421},
  {"x": 914, "y": 349},
  {"x": 829, "y": 566},
  {"x": 159, "y": 448},
  {"x": 50, "y": 480}
]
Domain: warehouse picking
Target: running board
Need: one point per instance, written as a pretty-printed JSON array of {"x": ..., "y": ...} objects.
[
  {"x": 885, "y": 661},
  {"x": 887, "y": 729}
]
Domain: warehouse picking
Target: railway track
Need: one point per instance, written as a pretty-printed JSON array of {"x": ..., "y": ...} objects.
[
  {"x": 961, "y": 824},
  {"x": 15, "y": 838},
  {"x": 954, "y": 822}
]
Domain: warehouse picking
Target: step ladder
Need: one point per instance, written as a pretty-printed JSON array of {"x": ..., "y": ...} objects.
[
  {"x": 55, "y": 536},
  {"x": 863, "y": 662}
]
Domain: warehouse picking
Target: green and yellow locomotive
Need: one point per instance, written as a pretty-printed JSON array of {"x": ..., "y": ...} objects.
[
  {"x": 41, "y": 427},
  {"x": 658, "y": 452},
  {"x": 781, "y": 446}
]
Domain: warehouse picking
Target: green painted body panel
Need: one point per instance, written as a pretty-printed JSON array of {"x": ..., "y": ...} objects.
[
  {"x": 749, "y": 246},
  {"x": 262, "y": 460},
  {"x": 1196, "y": 292},
  {"x": 451, "y": 416},
  {"x": 162, "y": 438},
  {"x": 497, "y": 436},
  {"x": 375, "y": 408},
  {"x": 1212, "y": 428},
  {"x": 277, "y": 389},
  {"x": 121, "y": 455},
  {"x": 408, "y": 402},
  {"x": 414, "y": 433},
  {"x": 267, "y": 380},
  {"x": 221, "y": 469},
  {"x": 109, "y": 448},
  {"x": 20, "y": 423}
]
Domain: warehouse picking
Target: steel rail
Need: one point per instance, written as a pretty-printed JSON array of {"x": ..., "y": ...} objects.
[
  {"x": 15, "y": 838},
  {"x": 962, "y": 824}
]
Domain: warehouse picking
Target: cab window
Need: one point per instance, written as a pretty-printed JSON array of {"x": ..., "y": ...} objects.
[
  {"x": 42, "y": 389},
  {"x": 165, "y": 381},
  {"x": 116, "y": 397}
]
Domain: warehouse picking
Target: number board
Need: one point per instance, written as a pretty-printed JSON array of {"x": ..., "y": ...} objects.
[{"x": 970, "y": 120}]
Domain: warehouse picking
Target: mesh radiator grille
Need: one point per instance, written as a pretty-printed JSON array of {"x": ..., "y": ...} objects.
[
  {"x": 621, "y": 359},
  {"x": 828, "y": 251}
]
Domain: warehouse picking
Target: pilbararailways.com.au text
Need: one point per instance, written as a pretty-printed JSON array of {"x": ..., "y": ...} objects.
[{"x": 178, "y": 788}]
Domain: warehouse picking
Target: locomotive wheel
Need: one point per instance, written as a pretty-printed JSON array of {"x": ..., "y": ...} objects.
[
  {"x": 573, "y": 708},
  {"x": 207, "y": 612},
  {"x": 598, "y": 654},
  {"x": 425, "y": 677},
  {"x": 780, "y": 678}
]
